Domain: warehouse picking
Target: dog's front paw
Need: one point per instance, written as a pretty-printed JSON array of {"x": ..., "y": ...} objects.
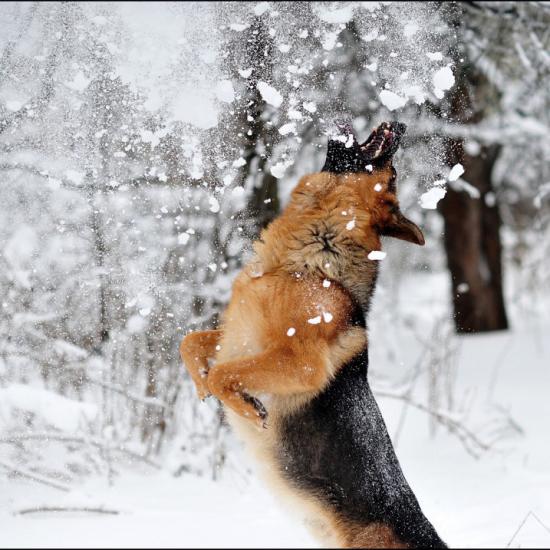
[{"x": 261, "y": 411}]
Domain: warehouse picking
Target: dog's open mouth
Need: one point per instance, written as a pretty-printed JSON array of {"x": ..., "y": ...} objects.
[
  {"x": 345, "y": 154},
  {"x": 383, "y": 140}
]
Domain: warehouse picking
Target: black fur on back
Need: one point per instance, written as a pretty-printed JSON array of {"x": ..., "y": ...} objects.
[{"x": 337, "y": 448}]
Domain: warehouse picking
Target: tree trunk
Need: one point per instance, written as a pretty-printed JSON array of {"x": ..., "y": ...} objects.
[
  {"x": 472, "y": 245},
  {"x": 472, "y": 224}
]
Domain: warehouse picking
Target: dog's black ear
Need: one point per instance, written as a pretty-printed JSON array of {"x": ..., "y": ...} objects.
[{"x": 402, "y": 228}]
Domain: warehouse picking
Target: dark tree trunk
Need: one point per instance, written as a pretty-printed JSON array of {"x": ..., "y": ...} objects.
[
  {"x": 472, "y": 245},
  {"x": 472, "y": 224},
  {"x": 256, "y": 131}
]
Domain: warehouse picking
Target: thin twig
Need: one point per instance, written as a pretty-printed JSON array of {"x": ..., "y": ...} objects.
[
  {"x": 530, "y": 513},
  {"x": 16, "y": 438},
  {"x": 466, "y": 436},
  {"x": 40, "y": 509},
  {"x": 20, "y": 472}
]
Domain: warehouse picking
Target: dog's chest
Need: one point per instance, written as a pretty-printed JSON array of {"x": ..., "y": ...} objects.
[{"x": 243, "y": 328}]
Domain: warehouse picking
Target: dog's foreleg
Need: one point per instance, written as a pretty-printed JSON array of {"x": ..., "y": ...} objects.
[
  {"x": 195, "y": 350},
  {"x": 276, "y": 371}
]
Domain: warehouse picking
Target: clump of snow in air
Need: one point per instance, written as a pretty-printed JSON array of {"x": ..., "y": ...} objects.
[
  {"x": 287, "y": 128},
  {"x": 350, "y": 225},
  {"x": 391, "y": 100},
  {"x": 14, "y": 105},
  {"x": 326, "y": 283},
  {"x": 269, "y": 94},
  {"x": 245, "y": 73},
  {"x": 261, "y": 8},
  {"x": 327, "y": 317},
  {"x": 443, "y": 79},
  {"x": 279, "y": 169},
  {"x": 376, "y": 255},
  {"x": 462, "y": 185},
  {"x": 434, "y": 56},
  {"x": 410, "y": 29},
  {"x": 430, "y": 198},
  {"x": 338, "y": 15},
  {"x": 291, "y": 331},
  {"x": 314, "y": 320},
  {"x": 214, "y": 204},
  {"x": 239, "y": 27},
  {"x": 378, "y": 187},
  {"x": 456, "y": 171}
]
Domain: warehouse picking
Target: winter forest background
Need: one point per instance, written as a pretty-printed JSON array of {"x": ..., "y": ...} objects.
[{"x": 142, "y": 148}]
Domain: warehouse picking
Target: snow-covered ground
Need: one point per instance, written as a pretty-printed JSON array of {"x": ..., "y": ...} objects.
[{"x": 472, "y": 503}]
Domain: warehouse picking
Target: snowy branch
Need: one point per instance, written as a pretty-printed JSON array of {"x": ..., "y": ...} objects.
[
  {"x": 100, "y": 444},
  {"x": 27, "y": 474}
]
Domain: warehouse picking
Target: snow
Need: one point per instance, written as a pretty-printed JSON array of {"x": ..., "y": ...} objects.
[
  {"x": 245, "y": 73},
  {"x": 79, "y": 82},
  {"x": 462, "y": 185},
  {"x": 260, "y": 8},
  {"x": 214, "y": 204},
  {"x": 430, "y": 198},
  {"x": 314, "y": 320},
  {"x": 134, "y": 118},
  {"x": 288, "y": 128},
  {"x": 55, "y": 410},
  {"x": 391, "y": 100},
  {"x": 196, "y": 107},
  {"x": 14, "y": 105},
  {"x": 410, "y": 29},
  {"x": 498, "y": 494},
  {"x": 339, "y": 15},
  {"x": 291, "y": 331},
  {"x": 456, "y": 171},
  {"x": 75, "y": 176},
  {"x": 279, "y": 169},
  {"x": 225, "y": 91},
  {"x": 238, "y": 27},
  {"x": 376, "y": 255},
  {"x": 269, "y": 94},
  {"x": 350, "y": 225},
  {"x": 443, "y": 79}
]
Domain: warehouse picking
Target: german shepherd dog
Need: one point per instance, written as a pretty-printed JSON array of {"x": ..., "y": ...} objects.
[{"x": 290, "y": 356}]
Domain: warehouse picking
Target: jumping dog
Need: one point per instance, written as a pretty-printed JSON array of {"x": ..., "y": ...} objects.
[{"x": 289, "y": 361}]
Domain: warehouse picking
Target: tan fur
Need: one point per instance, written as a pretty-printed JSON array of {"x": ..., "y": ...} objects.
[
  {"x": 327, "y": 231},
  {"x": 374, "y": 535}
]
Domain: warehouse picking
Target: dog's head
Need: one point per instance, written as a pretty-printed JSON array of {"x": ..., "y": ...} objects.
[
  {"x": 336, "y": 217},
  {"x": 358, "y": 181}
]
